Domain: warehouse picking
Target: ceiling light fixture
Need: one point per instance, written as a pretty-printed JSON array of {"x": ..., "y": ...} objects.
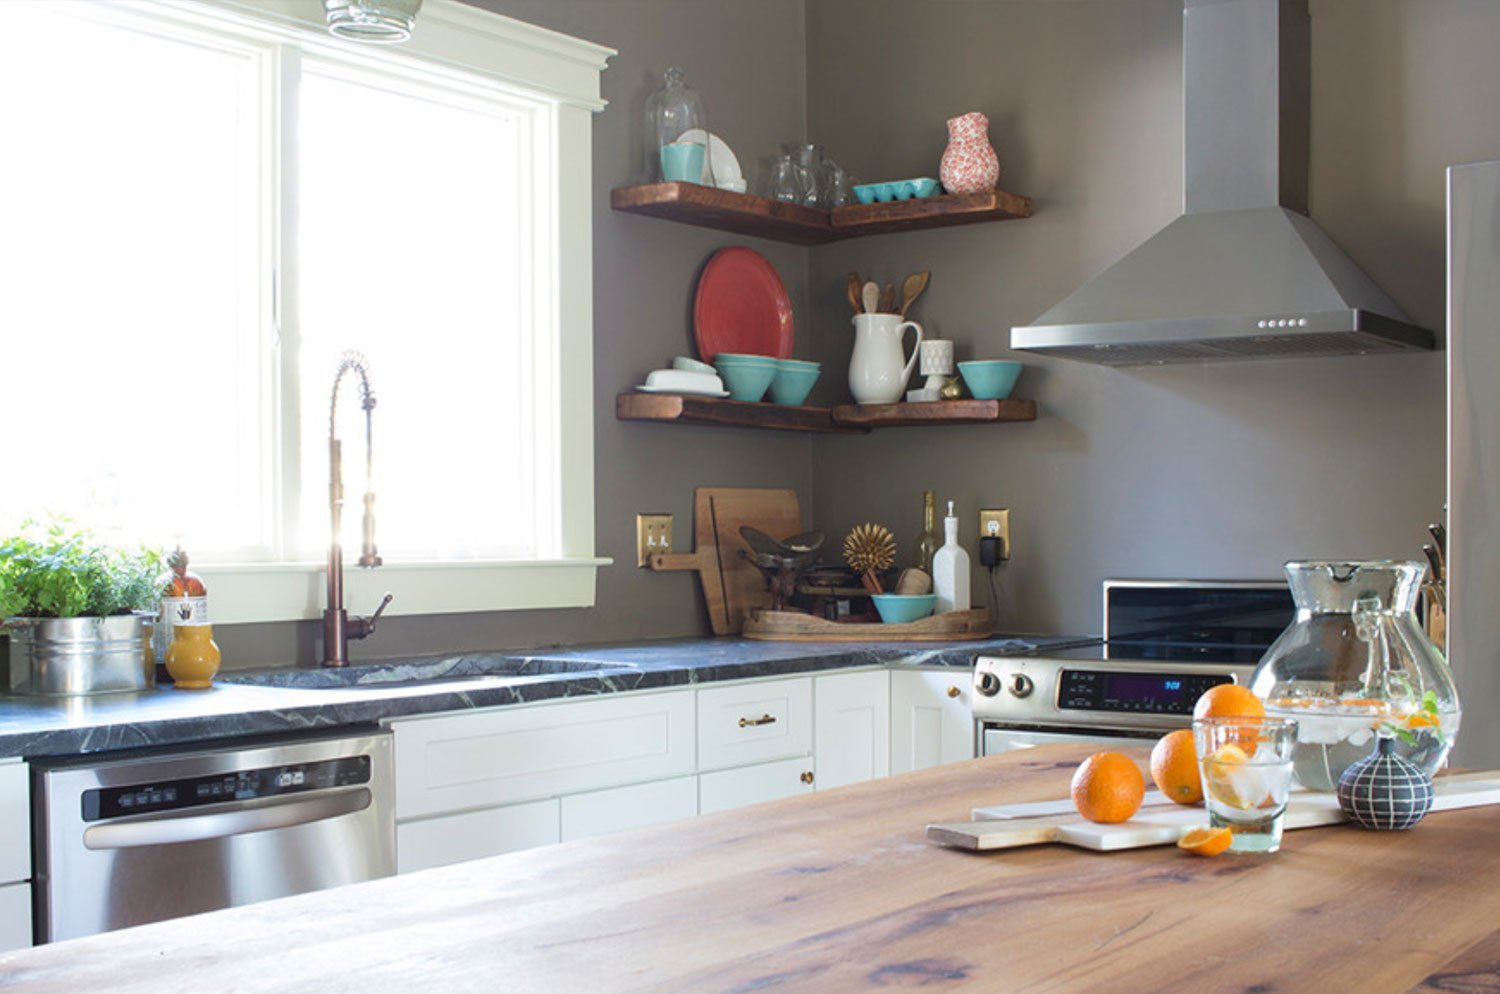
[{"x": 381, "y": 21}]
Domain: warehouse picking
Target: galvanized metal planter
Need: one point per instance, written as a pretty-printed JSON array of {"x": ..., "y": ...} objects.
[{"x": 78, "y": 656}]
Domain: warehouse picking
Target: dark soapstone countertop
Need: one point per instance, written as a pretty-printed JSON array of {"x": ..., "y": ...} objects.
[{"x": 291, "y": 700}]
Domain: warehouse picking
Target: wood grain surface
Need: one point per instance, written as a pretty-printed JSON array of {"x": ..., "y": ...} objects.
[
  {"x": 790, "y": 626},
  {"x": 727, "y": 413},
  {"x": 732, "y": 586},
  {"x": 724, "y": 210},
  {"x": 838, "y": 892},
  {"x": 934, "y": 412}
]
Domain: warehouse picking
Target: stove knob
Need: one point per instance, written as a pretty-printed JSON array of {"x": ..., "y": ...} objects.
[
  {"x": 987, "y": 684},
  {"x": 1020, "y": 685}
]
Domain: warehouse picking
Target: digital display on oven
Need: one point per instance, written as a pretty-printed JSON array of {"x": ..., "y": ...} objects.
[{"x": 1147, "y": 693}]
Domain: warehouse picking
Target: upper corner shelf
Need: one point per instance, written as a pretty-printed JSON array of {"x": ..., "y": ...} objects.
[{"x": 745, "y": 214}]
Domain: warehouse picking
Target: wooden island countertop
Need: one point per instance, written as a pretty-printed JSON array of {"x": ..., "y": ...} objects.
[{"x": 841, "y": 892}]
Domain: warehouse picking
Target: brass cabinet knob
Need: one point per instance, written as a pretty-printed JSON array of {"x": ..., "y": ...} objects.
[
  {"x": 954, "y": 691},
  {"x": 765, "y": 719},
  {"x": 807, "y": 776}
]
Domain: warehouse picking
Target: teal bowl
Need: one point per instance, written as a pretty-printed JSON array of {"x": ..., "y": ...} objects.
[
  {"x": 990, "y": 379},
  {"x": 746, "y": 381},
  {"x": 897, "y": 609},
  {"x": 745, "y": 360},
  {"x": 791, "y": 385}
]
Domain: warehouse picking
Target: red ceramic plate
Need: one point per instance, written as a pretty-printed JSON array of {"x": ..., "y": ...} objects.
[{"x": 742, "y": 307}]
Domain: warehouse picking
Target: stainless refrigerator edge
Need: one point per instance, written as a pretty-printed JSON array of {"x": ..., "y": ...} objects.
[{"x": 1474, "y": 456}]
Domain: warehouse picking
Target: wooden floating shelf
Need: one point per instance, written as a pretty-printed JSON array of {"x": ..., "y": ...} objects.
[
  {"x": 845, "y": 418},
  {"x": 726, "y": 413},
  {"x": 746, "y": 214},
  {"x": 936, "y": 412}
]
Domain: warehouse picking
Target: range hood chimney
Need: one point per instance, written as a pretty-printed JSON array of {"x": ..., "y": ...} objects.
[{"x": 1243, "y": 273}]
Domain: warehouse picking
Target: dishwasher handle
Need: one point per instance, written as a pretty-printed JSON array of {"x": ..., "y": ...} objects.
[{"x": 283, "y": 813}]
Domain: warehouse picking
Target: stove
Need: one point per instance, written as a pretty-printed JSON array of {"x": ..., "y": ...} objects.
[{"x": 1165, "y": 642}]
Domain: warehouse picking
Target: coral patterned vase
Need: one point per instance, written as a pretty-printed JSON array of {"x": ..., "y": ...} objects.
[{"x": 969, "y": 162}]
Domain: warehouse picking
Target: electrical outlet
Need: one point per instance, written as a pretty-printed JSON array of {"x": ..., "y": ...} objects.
[
  {"x": 653, "y": 534},
  {"x": 996, "y": 524}
]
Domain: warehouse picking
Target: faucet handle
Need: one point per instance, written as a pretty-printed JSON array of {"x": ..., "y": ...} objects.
[{"x": 361, "y": 627}]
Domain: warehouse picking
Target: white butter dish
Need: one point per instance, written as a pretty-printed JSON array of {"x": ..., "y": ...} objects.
[{"x": 684, "y": 381}]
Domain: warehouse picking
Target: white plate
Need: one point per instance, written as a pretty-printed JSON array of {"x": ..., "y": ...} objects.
[
  {"x": 725, "y": 165},
  {"x": 685, "y": 393}
]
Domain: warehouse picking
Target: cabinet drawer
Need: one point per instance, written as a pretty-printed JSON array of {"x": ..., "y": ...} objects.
[
  {"x": 728, "y": 789},
  {"x": 421, "y": 845},
  {"x": 600, "y": 812},
  {"x": 15, "y": 824},
  {"x": 459, "y": 762},
  {"x": 15, "y": 917},
  {"x": 742, "y": 724}
]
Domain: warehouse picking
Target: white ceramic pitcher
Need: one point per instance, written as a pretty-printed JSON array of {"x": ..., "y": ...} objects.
[{"x": 878, "y": 370}]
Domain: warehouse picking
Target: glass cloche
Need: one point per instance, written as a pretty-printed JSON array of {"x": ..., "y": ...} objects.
[{"x": 1355, "y": 661}]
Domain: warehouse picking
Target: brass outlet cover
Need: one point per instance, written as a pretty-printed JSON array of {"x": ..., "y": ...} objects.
[
  {"x": 653, "y": 534},
  {"x": 1001, "y": 528}
]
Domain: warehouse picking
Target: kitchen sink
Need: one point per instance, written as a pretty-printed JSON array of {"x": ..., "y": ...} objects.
[{"x": 460, "y": 672}]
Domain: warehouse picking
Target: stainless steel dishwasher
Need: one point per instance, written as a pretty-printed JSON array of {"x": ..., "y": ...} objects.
[{"x": 158, "y": 834}]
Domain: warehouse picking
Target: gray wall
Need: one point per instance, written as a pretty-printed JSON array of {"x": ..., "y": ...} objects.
[
  {"x": 1216, "y": 471},
  {"x": 1202, "y": 471}
]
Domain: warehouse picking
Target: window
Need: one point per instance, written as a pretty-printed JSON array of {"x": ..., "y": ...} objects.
[{"x": 204, "y": 203}]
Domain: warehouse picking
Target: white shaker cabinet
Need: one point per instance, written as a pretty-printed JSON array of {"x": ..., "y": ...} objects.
[
  {"x": 481, "y": 783},
  {"x": 15, "y": 855},
  {"x": 722, "y": 790},
  {"x": 851, "y": 727},
  {"x": 931, "y": 718}
]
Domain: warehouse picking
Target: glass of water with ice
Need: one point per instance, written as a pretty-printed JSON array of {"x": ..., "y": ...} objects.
[{"x": 1246, "y": 764}]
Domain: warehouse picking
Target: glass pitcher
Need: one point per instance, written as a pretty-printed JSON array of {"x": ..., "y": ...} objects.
[{"x": 1354, "y": 664}]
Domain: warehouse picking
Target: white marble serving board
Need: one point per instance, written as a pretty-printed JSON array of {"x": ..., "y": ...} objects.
[{"x": 1162, "y": 823}]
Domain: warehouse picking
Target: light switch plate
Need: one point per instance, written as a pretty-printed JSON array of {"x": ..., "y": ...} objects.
[{"x": 653, "y": 534}]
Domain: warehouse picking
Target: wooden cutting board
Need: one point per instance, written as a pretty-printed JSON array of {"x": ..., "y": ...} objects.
[
  {"x": 1160, "y": 822},
  {"x": 732, "y": 586}
]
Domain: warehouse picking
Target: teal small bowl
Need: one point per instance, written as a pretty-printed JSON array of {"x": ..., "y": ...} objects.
[
  {"x": 744, "y": 360},
  {"x": 990, "y": 379},
  {"x": 792, "y": 384},
  {"x": 898, "y": 609},
  {"x": 798, "y": 364},
  {"x": 746, "y": 381}
]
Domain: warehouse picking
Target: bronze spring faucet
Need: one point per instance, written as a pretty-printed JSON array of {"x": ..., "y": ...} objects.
[{"x": 338, "y": 627}]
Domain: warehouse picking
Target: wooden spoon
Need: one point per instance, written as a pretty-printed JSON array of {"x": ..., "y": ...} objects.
[
  {"x": 911, "y": 289},
  {"x": 888, "y": 299},
  {"x": 871, "y": 297},
  {"x": 853, "y": 291}
]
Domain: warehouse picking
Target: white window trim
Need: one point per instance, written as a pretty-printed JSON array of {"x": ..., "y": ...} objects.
[{"x": 565, "y": 71}]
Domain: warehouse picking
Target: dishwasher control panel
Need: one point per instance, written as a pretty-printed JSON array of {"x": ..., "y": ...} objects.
[{"x": 101, "y": 803}]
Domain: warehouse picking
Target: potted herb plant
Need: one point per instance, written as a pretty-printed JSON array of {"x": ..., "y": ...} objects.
[{"x": 78, "y": 609}]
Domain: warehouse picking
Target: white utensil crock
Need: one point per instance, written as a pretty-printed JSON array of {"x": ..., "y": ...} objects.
[{"x": 878, "y": 369}]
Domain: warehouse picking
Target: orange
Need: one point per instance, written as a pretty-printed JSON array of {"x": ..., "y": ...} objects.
[
  {"x": 1422, "y": 719},
  {"x": 1228, "y": 700},
  {"x": 1174, "y": 767},
  {"x": 1205, "y": 841},
  {"x": 1108, "y": 787}
]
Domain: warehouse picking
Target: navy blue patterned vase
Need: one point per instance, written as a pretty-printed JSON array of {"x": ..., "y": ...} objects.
[{"x": 1385, "y": 792}]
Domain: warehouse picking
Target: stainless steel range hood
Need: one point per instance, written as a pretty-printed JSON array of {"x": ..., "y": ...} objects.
[{"x": 1242, "y": 273}]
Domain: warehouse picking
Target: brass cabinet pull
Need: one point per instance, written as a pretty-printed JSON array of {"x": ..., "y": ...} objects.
[
  {"x": 807, "y": 777},
  {"x": 765, "y": 719},
  {"x": 953, "y": 692}
]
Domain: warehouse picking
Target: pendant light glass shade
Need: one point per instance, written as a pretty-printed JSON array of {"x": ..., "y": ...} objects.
[{"x": 383, "y": 21}]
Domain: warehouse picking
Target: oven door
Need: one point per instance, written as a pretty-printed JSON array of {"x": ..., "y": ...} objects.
[{"x": 995, "y": 740}]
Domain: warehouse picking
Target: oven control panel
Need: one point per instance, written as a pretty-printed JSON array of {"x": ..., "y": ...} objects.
[{"x": 1146, "y": 693}]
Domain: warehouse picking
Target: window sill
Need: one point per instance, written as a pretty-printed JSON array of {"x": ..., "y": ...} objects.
[{"x": 295, "y": 591}]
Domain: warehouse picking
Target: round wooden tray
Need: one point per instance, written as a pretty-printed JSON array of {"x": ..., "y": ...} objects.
[{"x": 790, "y": 626}]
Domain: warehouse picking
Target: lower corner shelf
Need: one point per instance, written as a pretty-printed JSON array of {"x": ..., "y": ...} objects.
[{"x": 845, "y": 418}]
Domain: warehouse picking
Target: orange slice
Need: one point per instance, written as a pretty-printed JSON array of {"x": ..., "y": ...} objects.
[{"x": 1205, "y": 841}]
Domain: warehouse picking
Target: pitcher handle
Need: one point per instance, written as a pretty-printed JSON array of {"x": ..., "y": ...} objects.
[{"x": 916, "y": 349}]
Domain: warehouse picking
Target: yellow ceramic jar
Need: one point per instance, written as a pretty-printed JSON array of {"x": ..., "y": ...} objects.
[{"x": 193, "y": 657}]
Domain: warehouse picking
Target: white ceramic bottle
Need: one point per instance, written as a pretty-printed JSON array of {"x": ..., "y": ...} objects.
[{"x": 950, "y": 570}]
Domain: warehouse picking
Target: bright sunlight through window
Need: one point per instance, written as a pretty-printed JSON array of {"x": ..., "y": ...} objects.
[{"x": 197, "y": 216}]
